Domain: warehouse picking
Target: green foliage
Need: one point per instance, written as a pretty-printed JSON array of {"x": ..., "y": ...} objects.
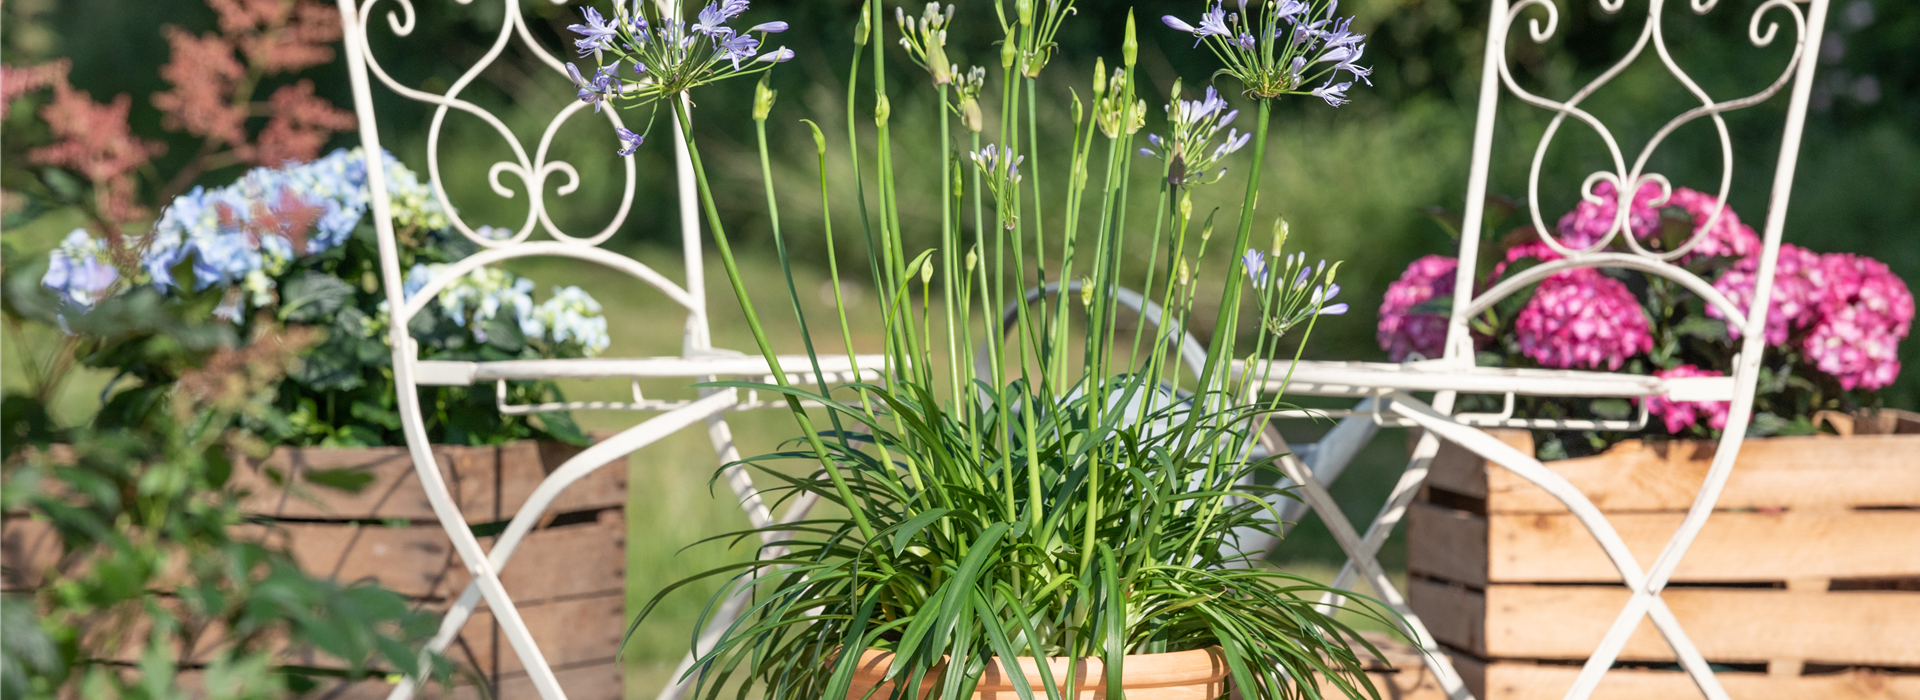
[{"x": 163, "y": 588}]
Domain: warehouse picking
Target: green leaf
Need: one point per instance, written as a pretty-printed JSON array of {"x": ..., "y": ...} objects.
[
  {"x": 913, "y": 527},
  {"x": 313, "y": 297},
  {"x": 348, "y": 479}
]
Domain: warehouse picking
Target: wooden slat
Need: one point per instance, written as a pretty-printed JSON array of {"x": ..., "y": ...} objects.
[
  {"x": 1507, "y": 680},
  {"x": 571, "y": 632},
  {"x": 418, "y": 561},
  {"x": 597, "y": 681},
  {"x": 1873, "y": 628},
  {"x": 28, "y": 548},
  {"x": 1738, "y": 546},
  {"x": 489, "y": 483},
  {"x": 1814, "y": 472}
]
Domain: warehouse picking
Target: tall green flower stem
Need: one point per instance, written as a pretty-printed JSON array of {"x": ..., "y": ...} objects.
[{"x": 760, "y": 339}]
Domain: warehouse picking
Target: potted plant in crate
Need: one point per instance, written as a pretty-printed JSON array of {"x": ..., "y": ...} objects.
[{"x": 1033, "y": 498}]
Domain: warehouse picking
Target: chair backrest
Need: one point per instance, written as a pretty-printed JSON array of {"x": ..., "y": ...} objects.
[
  {"x": 526, "y": 174},
  {"x": 1771, "y": 21}
]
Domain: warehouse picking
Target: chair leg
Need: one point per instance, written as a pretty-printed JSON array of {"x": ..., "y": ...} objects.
[
  {"x": 1321, "y": 502},
  {"x": 1329, "y": 459},
  {"x": 593, "y": 458},
  {"x": 1645, "y": 600},
  {"x": 1395, "y": 507}
]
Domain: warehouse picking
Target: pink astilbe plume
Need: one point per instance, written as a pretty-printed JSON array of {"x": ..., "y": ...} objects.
[
  {"x": 1680, "y": 415},
  {"x": 300, "y": 125},
  {"x": 205, "y": 75},
  {"x": 17, "y": 82},
  {"x": 1404, "y": 331},
  {"x": 279, "y": 36},
  {"x": 94, "y": 140},
  {"x": 1581, "y": 318}
]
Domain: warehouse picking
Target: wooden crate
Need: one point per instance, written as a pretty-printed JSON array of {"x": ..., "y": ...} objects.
[
  {"x": 1805, "y": 582},
  {"x": 567, "y": 577}
]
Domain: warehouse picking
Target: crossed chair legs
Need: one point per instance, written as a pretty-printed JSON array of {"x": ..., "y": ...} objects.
[
  {"x": 485, "y": 565},
  {"x": 1645, "y": 585}
]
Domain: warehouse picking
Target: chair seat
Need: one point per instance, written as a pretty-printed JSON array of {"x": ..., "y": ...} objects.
[
  {"x": 1364, "y": 378},
  {"x": 451, "y": 373}
]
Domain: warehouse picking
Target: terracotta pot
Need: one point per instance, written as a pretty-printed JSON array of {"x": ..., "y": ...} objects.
[{"x": 1200, "y": 674}]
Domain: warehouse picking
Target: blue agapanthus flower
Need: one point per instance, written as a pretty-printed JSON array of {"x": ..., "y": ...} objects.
[{"x": 1280, "y": 47}]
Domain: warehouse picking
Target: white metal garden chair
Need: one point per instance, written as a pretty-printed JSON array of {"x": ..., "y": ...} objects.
[
  {"x": 698, "y": 361},
  {"x": 1387, "y": 389}
]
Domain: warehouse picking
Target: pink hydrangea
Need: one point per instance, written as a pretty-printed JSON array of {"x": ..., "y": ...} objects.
[
  {"x": 1864, "y": 311},
  {"x": 1797, "y": 281},
  {"x": 1405, "y": 332},
  {"x": 1728, "y": 239},
  {"x": 1680, "y": 415},
  {"x": 1582, "y": 318},
  {"x": 1589, "y": 221}
]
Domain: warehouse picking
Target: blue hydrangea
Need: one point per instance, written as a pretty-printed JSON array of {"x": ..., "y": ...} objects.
[
  {"x": 570, "y": 316},
  {"x": 78, "y": 270}
]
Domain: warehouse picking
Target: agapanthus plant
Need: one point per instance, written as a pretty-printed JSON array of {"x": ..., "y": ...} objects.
[
  {"x": 292, "y": 246},
  {"x": 1067, "y": 487},
  {"x": 1834, "y": 321}
]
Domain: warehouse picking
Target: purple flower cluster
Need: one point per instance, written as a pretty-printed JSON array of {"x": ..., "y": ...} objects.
[
  {"x": 1865, "y": 311},
  {"x": 1793, "y": 306},
  {"x": 1282, "y": 45},
  {"x": 1193, "y": 124},
  {"x": 1680, "y": 415},
  {"x": 1406, "y": 332},
  {"x": 79, "y": 270},
  {"x": 1728, "y": 239},
  {"x": 666, "y": 55},
  {"x": 1582, "y": 318}
]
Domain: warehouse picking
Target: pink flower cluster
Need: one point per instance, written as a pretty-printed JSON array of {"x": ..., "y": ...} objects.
[
  {"x": 1680, "y": 415},
  {"x": 1865, "y": 311},
  {"x": 1582, "y": 318},
  {"x": 1403, "y": 332},
  {"x": 1589, "y": 221},
  {"x": 1854, "y": 310},
  {"x": 1728, "y": 239}
]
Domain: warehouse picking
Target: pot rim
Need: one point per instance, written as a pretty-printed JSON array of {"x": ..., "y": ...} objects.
[{"x": 1191, "y": 667}]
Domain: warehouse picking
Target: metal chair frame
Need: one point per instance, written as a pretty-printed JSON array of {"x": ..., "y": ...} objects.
[
  {"x": 1386, "y": 388},
  {"x": 699, "y": 360}
]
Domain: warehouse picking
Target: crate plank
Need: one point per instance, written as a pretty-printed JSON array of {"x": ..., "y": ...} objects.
[
  {"x": 1735, "y": 546},
  {"x": 488, "y": 482},
  {"x": 28, "y": 548},
  {"x": 418, "y": 561},
  {"x": 1870, "y": 628},
  {"x": 1812, "y": 472},
  {"x": 1507, "y": 680},
  {"x": 596, "y": 681},
  {"x": 570, "y": 632}
]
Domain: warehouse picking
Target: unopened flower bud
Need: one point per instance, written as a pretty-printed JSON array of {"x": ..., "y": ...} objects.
[
  {"x": 864, "y": 27},
  {"x": 762, "y": 98},
  {"x": 1130, "y": 47},
  {"x": 1206, "y": 232},
  {"x": 973, "y": 256},
  {"x": 1008, "y": 52},
  {"x": 882, "y": 109},
  {"x": 1099, "y": 77},
  {"x": 1186, "y": 205},
  {"x": 970, "y": 114},
  {"x": 926, "y": 271},
  {"x": 819, "y": 139},
  {"x": 1086, "y": 292},
  {"x": 1025, "y": 8},
  {"x": 1280, "y": 229},
  {"x": 1185, "y": 276}
]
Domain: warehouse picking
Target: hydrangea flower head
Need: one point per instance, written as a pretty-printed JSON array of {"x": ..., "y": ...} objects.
[
  {"x": 1729, "y": 238},
  {"x": 1864, "y": 312},
  {"x": 1680, "y": 415},
  {"x": 1405, "y": 332},
  {"x": 78, "y": 270},
  {"x": 1581, "y": 318},
  {"x": 1796, "y": 288},
  {"x": 1590, "y": 221}
]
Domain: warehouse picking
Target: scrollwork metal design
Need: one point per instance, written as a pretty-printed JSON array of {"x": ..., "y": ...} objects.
[
  {"x": 533, "y": 172},
  {"x": 1627, "y": 180}
]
